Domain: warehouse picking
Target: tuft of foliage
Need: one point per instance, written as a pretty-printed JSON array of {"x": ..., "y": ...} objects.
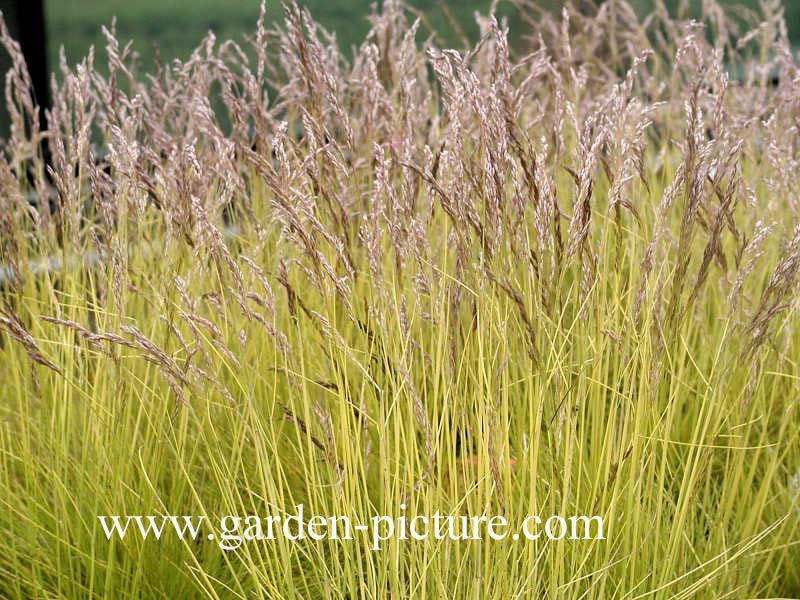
[{"x": 471, "y": 282}]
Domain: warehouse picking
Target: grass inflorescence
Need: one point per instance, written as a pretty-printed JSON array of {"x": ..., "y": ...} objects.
[{"x": 562, "y": 281}]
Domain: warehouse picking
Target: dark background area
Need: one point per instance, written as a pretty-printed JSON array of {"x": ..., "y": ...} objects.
[{"x": 177, "y": 26}]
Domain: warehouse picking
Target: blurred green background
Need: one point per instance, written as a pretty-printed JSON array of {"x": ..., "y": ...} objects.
[{"x": 177, "y": 26}]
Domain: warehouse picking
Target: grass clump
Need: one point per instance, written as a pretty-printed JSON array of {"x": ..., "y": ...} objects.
[{"x": 562, "y": 283}]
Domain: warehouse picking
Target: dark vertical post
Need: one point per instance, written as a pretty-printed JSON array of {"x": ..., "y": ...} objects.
[
  {"x": 33, "y": 39},
  {"x": 25, "y": 21}
]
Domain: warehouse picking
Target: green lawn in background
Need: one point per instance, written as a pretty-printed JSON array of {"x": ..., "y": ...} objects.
[{"x": 177, "y": 26}]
